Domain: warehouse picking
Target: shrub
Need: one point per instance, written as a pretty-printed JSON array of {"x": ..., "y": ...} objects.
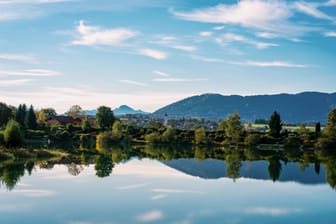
[
  {"x": 252, "y": 140},
  {"x": 12, "y": 134}
]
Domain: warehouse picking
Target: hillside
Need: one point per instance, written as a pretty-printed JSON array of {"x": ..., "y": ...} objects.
[
  {"x": 122, "y": 110},
  {"x": 293, "y": 108}
]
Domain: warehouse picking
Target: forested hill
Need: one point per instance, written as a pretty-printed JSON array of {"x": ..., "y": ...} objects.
[{"x": 293, "y": 108}]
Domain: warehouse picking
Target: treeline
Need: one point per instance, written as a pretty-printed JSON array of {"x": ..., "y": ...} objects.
[{"x": 19, "y": 124}]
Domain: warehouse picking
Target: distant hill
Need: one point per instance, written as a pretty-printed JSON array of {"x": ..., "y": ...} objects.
[
  {"x": 293, "y": 108},
  {"x": 214, "y": 169},
  {"x": 122, "y": 110}
]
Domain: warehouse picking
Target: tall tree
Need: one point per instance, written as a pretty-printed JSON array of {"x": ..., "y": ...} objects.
[
  {"x": 233, "y": 128},
  {"x": 275, "y": 124},
  {"x": 21, "y": 114},
  {"x": 30, "y": 119},
  {"x": 200, "y": 136},
  {"x": 330, "y": 129},
  {"x": 75, "y": 111},
  {"x": 317, "y": 129},
  {"x": 5, "y": 114},
  {"x": 104, "y": 117}
]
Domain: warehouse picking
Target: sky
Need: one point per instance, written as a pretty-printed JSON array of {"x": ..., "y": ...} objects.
[{"x": 149, "y": 53}]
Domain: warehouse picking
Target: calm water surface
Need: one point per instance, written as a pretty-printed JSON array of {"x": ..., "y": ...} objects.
[{"x": 180, "y": 191}]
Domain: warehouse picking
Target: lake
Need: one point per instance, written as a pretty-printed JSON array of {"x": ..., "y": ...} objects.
[{"x": 155, "y": 185}]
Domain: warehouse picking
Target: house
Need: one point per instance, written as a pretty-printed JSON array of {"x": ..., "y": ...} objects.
[{"x": 62, "y": 120}]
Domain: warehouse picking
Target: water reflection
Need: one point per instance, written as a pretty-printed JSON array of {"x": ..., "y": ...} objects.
[{"x": 307, "y": 167}]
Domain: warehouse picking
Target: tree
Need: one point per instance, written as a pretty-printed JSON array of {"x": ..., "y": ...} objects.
[
  {"x": 21, "y": 114},
  {"x": 75, "y": 112},
  {"x": 233, "y": 128},
  {"x": 5, "y": 114},
  {"x": 275, "y": 124},
  {"x": 45, "y": 114},
  {"x": 86, "y": 125},
  {"x": 104, "y": 117},
  {"x": 168, "y": 136},
  {"x": 117, "y": 130},
  {"x": 12, "y": 134},
  {"x": 200, "y": 136},
  {"x": 317, "y": 130},
  {"x": 30, "y": 119},
  {"x": 330, "y": 129}
]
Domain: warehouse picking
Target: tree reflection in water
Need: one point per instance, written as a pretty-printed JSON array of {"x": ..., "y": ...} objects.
[{"x": 105, "y": 158}]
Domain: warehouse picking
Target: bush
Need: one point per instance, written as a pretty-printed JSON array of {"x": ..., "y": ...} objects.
[
  {"x": 12, "y": 134},
  {"x": 153, "y": 138},
  {"x": 252, "y": 140},
  {"x": 1, "y": 138},
  {"x": 292, "y": 142}
]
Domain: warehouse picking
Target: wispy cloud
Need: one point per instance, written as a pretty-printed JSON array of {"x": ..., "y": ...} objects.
[
  {"x": 178, "y": 80},
  {"x": 131, "y": 187},
  {"x": 231, "y": 37},
  {"x": 330, "y": 3},
  {"x": 158, "y": 197},
  {"x": 266, "y": 35},
  {"x": 18, "y": 57},
  {"x": 132, "y": 82},
  {"x": 14, "y": 82},
  {"x": 29, "y": 72},
  {"x": 94, "y": 35},
  {"x": 330, "y": 34},
  {"x": 218, "y": 28},
  {"x": 33, "y": 1},
  {"x": 260, "y": 14},
  {"x": 272, "y": 211},
  {"x": 160, "y": 73},
  {"x": 176, "y": 191},
  {"x": 151, "y": 216},
  {"x": 311, "y": 10},
  {"x": 205, "y": 34},
  {"x": 152, "y": 53},
  {"x": 35, "y": 193},
  {"x": 283, "y": 64},
  {"x": 206, "y": 59},
  {"x": 185, "y": 48}
]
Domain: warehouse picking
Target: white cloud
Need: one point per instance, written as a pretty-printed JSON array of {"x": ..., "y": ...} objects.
[
  {"x": 269, "y": 64},
  {"x": 94, "y": 35},
  {"x": 267, "y": 15},
  {"x": 152, "y": 53},
  {"x": 176, "y": 191},
  {"x": 34, "y": 193},
  {"x": 29, "y": 72},
  {"x": 18, "y": 57},
  {"x": 330, "y": 3},
  {"x": 32, "y": 1},
  {"x": 266, "y": 35},
  {"x": 151, "y": 216},
  {"x": 231, "y": 37},
  {"x": 218, "y": 27},
  {"x": 163, "y": 74},
  {"x": 185, "y": 48},
  {"x": 131, "y": 187},
  {"x": 330, "y": 34},
  {"x": 132, "y": 82},
  {"x": 158, "y": 197},
  {"x": 178, "y": 80},
  {"x": 14, "y": 82},
  {"x": 205, "y": 34},
  {"x": 272, "y": 211},
  {"x": 206, "y": 59},
  {"x": 311, "y": 10}
]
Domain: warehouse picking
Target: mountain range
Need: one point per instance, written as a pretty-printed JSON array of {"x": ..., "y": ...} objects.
[
  {"x": 303, "y": 107},
  {"x": 122, "y": 110}
]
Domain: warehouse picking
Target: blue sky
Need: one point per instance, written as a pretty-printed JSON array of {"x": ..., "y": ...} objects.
[{"x": 148, "y": 53}]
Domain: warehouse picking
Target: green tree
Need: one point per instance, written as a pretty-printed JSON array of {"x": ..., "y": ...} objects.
[
  {"x": 30, "y": 119},
  {"x": 75, "y": 111},
  {"x": 86, "y": 125},
  {"x": 317, "y": 130},
  {"x": 104, "y": 165},
  {"x": 168, "y": 136},
  {"x": 45, "y": 114},
  {"x": 20, "y": 114},
  {"x": 104, "y": 118},
  {"x": 234, "y": 128},
  {"x": 328, "y": 139},
  {"x": 6, "y": 114},
  {"x": 200, "y": 136},
  {"x": 275, "y": 124},
  {"x": 117, "y": 130},
  {"x": 12, "y": 134},
  {"x": 274, "y": 168}
]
